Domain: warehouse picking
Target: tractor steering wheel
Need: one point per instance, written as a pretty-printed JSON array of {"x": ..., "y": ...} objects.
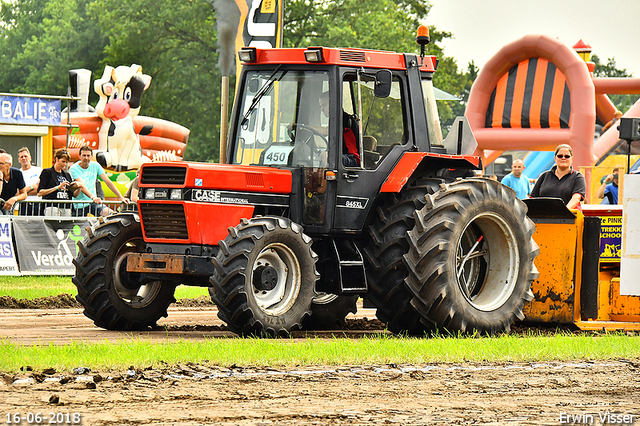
[{"x": 293, "y": 132}]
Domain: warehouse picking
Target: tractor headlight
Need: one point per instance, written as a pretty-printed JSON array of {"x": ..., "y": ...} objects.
[
  {"x": 161, "y": 194},
  {"x": 176, "y": 194},
  {"x": 247, "y": 54}
]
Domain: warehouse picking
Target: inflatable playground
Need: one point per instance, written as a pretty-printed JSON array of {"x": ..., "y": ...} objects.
[
  {"x": 121, "y": 139},
  {"x": 538, "y": 92}
]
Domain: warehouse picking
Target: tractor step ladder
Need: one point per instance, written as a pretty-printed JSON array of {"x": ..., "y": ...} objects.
[{"x": 353, "y": 278}]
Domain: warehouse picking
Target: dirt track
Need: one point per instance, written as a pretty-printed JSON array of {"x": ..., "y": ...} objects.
[
  {"x": 518, "y": 394},
  {"x": 428, "y": 395}
]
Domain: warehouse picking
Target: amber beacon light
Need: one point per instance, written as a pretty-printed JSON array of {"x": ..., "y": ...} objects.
[{"x": 423, "y": 40}]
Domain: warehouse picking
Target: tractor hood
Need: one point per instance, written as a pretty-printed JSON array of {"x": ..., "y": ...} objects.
[{"x": 222, "y": 177}]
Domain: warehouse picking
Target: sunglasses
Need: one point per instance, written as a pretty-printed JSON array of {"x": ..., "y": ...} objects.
[{"x": 563, "y": 156}]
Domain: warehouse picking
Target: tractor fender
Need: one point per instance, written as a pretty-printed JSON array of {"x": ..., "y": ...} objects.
[{"x": 411, "y": 161}]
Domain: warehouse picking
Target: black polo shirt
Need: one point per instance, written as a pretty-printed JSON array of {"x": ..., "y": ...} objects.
[
  {"x": 548, "y": 185},
  {"x": 50, "y": 178},
  {"x": 16, "y": 182}
]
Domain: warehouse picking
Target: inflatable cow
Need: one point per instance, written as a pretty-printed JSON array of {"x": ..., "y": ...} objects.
[{"x": 120, "y": 90}]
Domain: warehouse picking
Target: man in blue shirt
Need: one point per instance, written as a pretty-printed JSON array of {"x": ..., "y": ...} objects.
[
  {"x": 87, "y": 172},
  {"x": 609, "y": 188},
  {"x": 517, "y": 181}
]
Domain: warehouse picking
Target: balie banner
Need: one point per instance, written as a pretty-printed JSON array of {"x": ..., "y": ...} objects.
[
  {"x": 29, "y": 110},
  {"x": 48, "y": 246},
  {"x": 8, "y": 264}
]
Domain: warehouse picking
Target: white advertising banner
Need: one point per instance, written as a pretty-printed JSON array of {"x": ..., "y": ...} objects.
[
  {"x": 8, "y": 264},
  {"x": 630, "y": 258},
  {"x": 47, "y": 246}
]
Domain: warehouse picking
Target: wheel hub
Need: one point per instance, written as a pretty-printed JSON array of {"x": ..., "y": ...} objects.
[
  {"x": 487, "y": 262},
  {"x": 265, "y": 277},
  {"x": 276, "y": 279}
]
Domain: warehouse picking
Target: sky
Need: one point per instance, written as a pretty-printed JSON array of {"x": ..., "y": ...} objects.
[{"x": 481, "y": 27}]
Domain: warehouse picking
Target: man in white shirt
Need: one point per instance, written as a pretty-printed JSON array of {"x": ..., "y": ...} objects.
[{"x": 31, "y": 175}]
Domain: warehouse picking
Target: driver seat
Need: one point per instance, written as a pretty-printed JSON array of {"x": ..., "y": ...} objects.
[{"x": 371, "y": 156}]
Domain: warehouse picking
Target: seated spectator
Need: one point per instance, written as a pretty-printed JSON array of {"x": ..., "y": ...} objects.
[
  {"x": 57, "y": 185},
  {"x": 12, "y": 187}
]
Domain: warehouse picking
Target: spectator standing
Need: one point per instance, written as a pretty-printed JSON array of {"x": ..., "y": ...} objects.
[
  {"x": 562, "y": 181},
  {"x": 31, "y": 175},
  {"x": 12, "y": 185},
  {"x": 516, "y": 181},
  {"x": 88, "y": 172},
  {"x": 56, "y": 183},
  {"x": 609, "y": 188}
]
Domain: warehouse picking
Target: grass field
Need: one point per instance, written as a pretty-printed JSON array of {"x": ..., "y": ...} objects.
[
  {"x": 375, "y": 350},
  {"x": 31, "y": 287}
]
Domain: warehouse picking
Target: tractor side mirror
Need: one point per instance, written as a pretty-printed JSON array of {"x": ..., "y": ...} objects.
[{"x": 382, "y": 88}]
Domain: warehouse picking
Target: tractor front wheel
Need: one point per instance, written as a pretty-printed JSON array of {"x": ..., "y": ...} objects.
[
  {"x": 112, "y": 297},
  {"x": 265, "y": 275}
]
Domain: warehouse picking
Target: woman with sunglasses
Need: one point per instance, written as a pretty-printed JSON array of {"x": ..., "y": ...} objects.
[{"x": 562, "y": 181}]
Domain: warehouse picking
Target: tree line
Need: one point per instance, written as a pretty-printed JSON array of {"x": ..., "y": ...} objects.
[{"x": 176, "y": 43}]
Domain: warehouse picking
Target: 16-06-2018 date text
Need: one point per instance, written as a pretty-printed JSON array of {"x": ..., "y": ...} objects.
[{"x": 49, "y": 418}]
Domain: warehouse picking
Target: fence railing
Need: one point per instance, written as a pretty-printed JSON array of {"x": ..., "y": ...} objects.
[{"x": 34, "y": 208}]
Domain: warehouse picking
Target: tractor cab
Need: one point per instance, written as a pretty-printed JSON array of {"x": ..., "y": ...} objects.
[{"x": 338, "y": 126}]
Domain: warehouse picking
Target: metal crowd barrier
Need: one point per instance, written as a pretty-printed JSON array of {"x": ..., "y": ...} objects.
[{"x": 35, "y": 208}]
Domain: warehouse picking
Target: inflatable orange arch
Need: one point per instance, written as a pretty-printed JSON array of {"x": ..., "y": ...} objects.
[{"x": 533, "y": 95}]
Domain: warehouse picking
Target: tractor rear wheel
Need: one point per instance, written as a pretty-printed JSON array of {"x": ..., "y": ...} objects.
[
  {"x": 386, "y": 271},
  {"x": 471, "y": 257},
  {"x": 264, "y": 279},
  {"x": 112, "y": 297}
]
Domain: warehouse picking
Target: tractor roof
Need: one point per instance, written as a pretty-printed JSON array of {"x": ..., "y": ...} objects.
[{"x": 377, "y": 59}]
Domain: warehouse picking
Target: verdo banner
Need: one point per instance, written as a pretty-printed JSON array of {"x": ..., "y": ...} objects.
[{"x": 47, "y": 246}]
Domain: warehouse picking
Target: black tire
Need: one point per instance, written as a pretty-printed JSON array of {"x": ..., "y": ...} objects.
[
  {"x": 264, "y": 279},
  {"x": 471, "y": 257},
  {"x": 386, "y": 271},
  {"x": 113, "y": 298},
  {"x": 329, "y": 311}
]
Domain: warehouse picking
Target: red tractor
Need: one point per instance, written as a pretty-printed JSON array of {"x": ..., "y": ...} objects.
[{"x": 338, "y": 185}]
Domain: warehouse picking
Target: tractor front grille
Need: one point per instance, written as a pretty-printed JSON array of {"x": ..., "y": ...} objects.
[
  {"x": 165, "y": 221},
  {"x": 163, "y": 175}
]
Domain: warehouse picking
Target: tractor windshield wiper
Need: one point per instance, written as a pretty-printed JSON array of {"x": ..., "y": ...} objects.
[{"x": 263, "y": 91}]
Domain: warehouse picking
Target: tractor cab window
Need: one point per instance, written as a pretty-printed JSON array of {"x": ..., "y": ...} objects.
[
  {"x": 433, "y": 120},
  {"x": 382, "y": 122},
  {"x": 281, "y": 121}
]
